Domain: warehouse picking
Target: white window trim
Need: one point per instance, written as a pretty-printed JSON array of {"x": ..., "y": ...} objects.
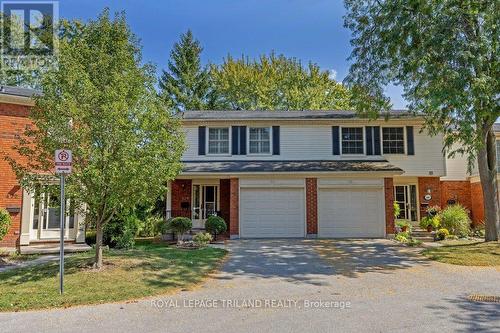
[
  {"x": 405, "y": 142},
  {"x": 207, "y": 143},
  {"x": 363, "y": 132},
  {"x": 270, "y": 141}
]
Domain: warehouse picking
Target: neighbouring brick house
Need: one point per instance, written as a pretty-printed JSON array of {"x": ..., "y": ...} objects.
[{"x": 35, "y": 216}]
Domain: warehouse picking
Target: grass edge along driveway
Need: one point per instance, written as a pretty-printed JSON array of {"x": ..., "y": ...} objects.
[
  {"x": 466, "y": 253},
  {"x": 146, "y": 270}
]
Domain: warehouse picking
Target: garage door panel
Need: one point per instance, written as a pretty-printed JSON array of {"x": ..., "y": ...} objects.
[
  {"x": 272, "y": 212},
  {"x": 351, "y": 212}
]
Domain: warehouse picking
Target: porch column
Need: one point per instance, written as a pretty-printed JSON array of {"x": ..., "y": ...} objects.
[
  {"x": 389, "y": 206},
  {"x": 26, "y": 218},
  {"x": 312, "y": 206},
  {"x": 234, "y": 212},
  {"x": 168, "y": 201}
]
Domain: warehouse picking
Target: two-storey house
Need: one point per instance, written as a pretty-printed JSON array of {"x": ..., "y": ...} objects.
[{"x": 306, "y": 173}]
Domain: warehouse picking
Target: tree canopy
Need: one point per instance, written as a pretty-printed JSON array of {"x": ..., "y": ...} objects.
[
  {"x": 186, "y": 84},
  {"x": 445, "y": 56},
  {"x": 101, "y": 103},
  {"x": 275, "y": 82}
]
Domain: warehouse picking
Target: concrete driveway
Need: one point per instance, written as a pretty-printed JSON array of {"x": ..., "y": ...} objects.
[{"x": 301, "y": 286}]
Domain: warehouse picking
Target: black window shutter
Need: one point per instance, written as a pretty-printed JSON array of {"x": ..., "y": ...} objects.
[
  {"x": 201, "y": 140},
  {"x": 410, "y": 141},
  {"x": 276, "y": 140},
  {"x": 376, "y": 140},
  {"x": 369, "y": 141},
  {"x": 243, "y": 140},
  {"x": 235, "y": 142},
  {"x": 335, "y": 140}
]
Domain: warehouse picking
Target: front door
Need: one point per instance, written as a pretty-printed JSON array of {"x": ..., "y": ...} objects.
[
  {"x": 406, "y": 197},
  {"x": 205, "y": 203}
]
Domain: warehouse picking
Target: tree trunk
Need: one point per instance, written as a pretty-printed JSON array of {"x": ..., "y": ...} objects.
[
  {"x": 98, "y": 246},
  {"x": 488, "y": 175}
]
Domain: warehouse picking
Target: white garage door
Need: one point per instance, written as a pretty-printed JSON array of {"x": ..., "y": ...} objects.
[
  {"x": 272, "y": 212},
  {"x": 351, "y": 212}
]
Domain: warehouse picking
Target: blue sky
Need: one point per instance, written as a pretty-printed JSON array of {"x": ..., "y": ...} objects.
[{"x": 310, "y": 30}]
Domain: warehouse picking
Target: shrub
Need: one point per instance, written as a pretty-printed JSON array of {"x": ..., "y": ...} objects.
[
  {"x": 397, "y": 209},
  {"x": 202, "y": 239},
  {"x": 442, "y": 233},
  {"x": 215, "y": 225},
  {"x": 456, "y": 219},
  {"x": 121, "y": 231},
  {"x": 5, "y": 222},
  {"x": 150, "y": 226},
  {"x": 180, "y": 225},
  {"x": 90, "y": 237},
  {"x": 430, "y": 221},
  {"x": 478, "y": 231}
]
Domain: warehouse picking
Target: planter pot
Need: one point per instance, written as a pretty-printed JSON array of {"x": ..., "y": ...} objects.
[
  {"x": 404, "y": 228},
  {"x": 429, "y": 228}
]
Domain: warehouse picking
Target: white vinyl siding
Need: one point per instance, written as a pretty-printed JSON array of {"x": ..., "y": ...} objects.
[
  {"x": 309, "y": 140},
  {"x": 218, "y": 140}
]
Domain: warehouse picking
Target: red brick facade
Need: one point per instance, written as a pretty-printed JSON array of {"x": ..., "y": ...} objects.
[
  {"x": 477, "y": 203},
  {"x": 234, "y": 198},
  {"x": 389, "y": 206},
  {"x": 456, "y": 192},
  {"x": 13, "y": 122},
  {"x": 181, "y": 197},
  {"x": 312, "y": 206},
  {"x": 426, "y": 184},
  {"x": 225, "y": 188}
]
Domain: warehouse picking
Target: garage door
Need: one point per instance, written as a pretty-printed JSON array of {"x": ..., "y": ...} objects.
[
  {"x": 272, "y": 212},
  {"x": 351, "y": 212}
]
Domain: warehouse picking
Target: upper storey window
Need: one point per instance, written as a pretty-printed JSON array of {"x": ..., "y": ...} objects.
[
  {"x": 218, "y": 140},
  {"x": 259, "y": 140},
  {"x": 393, "y": 140},
  {"x": 352, "y": 140}
]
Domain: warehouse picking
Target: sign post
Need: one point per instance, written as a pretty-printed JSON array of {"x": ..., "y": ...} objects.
[{"x": 63, "y": 165}]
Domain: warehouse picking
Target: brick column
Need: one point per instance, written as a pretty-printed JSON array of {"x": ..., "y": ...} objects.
[
  {"x": 389, "y": 206},
  {"x": 234, "y": 198},
  {"x": 312, "y": 206}
]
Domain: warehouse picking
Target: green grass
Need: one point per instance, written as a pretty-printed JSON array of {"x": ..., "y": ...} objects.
[
  {"x": 148, "y": 269},
  {"x": 466, "y": 253}
]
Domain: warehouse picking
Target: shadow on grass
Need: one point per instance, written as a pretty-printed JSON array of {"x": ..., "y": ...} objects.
[
  {"x": 472, "y": 316},
  {"x": 309, "y": 261}
]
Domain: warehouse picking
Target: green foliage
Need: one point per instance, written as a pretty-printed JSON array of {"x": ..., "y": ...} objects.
[
  {"x": 202, "y": 239},
  {"x": 442, "y": 233},
  {"x": 444, "y": 54},
  {"x": 275, "y": 82},
  {"x": 404, "y": 224},
  {"x": 101, "y": 103},
  {"x": 186, "y": 85},
  {"x": 456, "y": 219},
  {"x": 397, "y": 209},
  {"x": 90, "y": 236},
  {"x": 402, "y": 237},
  {"x": 5, "y": 222},
  {"x": 430, "y": 221},
  {"x": 121, "y": 231},
  {"x": 478, "y": 231},
  {"x": 150, "y": 226},
  {"x": 215, "y": 225},
  {"x": 180, "y": 225}
]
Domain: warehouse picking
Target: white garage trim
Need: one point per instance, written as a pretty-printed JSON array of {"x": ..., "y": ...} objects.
[{"x": 269, "y": 184}]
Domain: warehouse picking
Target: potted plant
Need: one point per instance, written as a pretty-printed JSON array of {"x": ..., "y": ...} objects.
[
  {"x": 404, "y": 225},
  {"x": 433, "y": 211},
  {"x": 215, "y": 225}
]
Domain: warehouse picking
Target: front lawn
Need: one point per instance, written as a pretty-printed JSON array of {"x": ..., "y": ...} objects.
[
  {"x": 146, "y": 270},
  {"x": 466, "y": 253}
]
